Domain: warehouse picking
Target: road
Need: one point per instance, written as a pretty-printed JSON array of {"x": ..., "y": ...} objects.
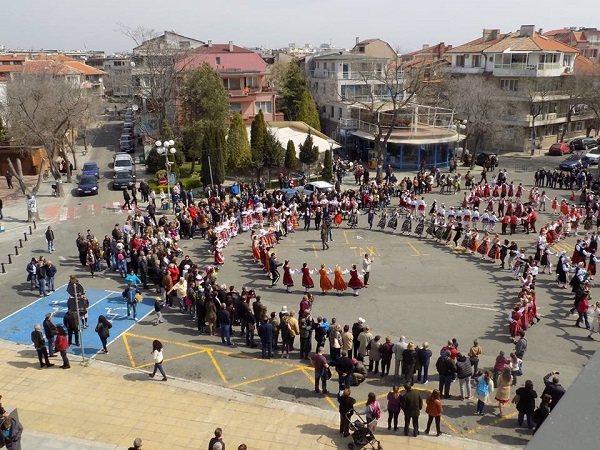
[{"x": 418, "y": 288}]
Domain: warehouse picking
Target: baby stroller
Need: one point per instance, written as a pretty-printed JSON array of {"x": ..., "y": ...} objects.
[{"x": 361, "y": 435}]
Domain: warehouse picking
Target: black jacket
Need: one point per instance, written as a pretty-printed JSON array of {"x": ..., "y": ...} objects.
[
  {"x": 554, "y": 390},
  {"x": 445, "y": 366},
  {"x": 223, "y": 317},
  {"x": 463, "y": 367},
  {"x": 49, "y": 329},
  {"x": 344, "y": 365},
  {"x": 37, "y": 338},
  {"x": 70, "y": 321},
  {"x": 526, "y": 403}
]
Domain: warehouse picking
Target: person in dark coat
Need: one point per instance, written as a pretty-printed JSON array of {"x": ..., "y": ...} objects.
[
  {"x": 344, "y": 368},
  {"x": 526, "y": 403},
  {"x": 50, "y": 332},
  {"x": 542, "y": 413},
  {"x": 265, "y": 333},
  {"x": 346, "y": 405},
  {"x": 553, "y": 389},
  {"x": 424, "y": 357},
  {"x": 72, "y": 325},
  {"x": 37, "y": 338},
  {"x": 412, "y": 404},
  {"x": 446, "y": 369},
  {"x": 409, "y": 363},
  {"x": 10, "y": 433}
]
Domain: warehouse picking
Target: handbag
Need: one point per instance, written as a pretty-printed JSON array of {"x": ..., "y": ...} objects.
[
  {"x": 327, "y": 373},
  {"x": 138, "y": 298}
]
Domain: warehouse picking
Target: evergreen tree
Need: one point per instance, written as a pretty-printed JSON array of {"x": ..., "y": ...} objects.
[
  {"x": 167, "y": 131},
  {"x": 327, "y": 171},
  {"x": 213, "y": 153},
  {"x": 258, "y": 137},
  {"x": 309, "y": 153},
  {"x": 154, "y": 161},
  {"x": 307, "y": 111},
  {"x": 239, "y": 154},
  {"x": 292, "y": 88},
  {"x": 219, "y": 153},
  {"x": 274, "y": 152},
  {"x": 208, "y": 145},
  {"x": 291, "y": 161},
  {"x": 203, "y": 96}
]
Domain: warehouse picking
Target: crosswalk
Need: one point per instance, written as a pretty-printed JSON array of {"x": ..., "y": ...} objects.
[{"x": 76, "y": 212}]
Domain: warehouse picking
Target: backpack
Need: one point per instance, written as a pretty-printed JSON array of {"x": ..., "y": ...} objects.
[
  {"x": 376, "y": 410},
  {"x": 482, "y": 387}
]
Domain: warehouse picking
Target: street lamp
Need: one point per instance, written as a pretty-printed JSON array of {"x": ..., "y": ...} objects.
[
  {"x": 166, "y": 148},
  {"x": 459, "y": 125}
]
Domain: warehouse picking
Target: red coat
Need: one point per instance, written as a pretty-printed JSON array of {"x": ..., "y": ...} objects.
[
  {"x": 583, "y": 305},
  {"x": 61, "y": 343}
]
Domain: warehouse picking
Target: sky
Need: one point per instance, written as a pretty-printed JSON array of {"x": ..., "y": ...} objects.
[{"x": 405, "y": 25}]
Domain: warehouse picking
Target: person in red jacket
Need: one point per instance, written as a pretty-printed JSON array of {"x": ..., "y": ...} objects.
[
  {"x": 582, "y": 309},
  {"x": 62, "y": 344}
]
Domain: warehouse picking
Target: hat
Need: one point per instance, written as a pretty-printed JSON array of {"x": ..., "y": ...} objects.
[
  {"x": 158, "y": 299},
  {"x": 361, "y": 320},
  {"x": 284, "y": 309},
  {"x": 186, "y": 267},
  {"x": 198, "y": 277}
]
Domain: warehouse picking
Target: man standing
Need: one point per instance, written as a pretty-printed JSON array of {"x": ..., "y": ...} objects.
[
  {"x": 320, "y": 363},
  {"x": 411, "y": 406},
  {"x": 446, "y": 369},
  {"x": 273, "y": 266},
  {"x": 50, "y": 274},
  {"x": 224, "y": 321},
  {"x": 9, "y": 178},
  {"x": 520, "y": 349},
  {"x": 31, "y": 273},
  {"x": 129, "y": 296},
  {"x": 553, "y": 388},
  {"x": 50, "y": 332},
  {"x": 357, "y": 328},
  {"x": 72, "y": 326},
  {"x": 1, "y": 206},
  {"x": 398, "y": 351},
  {"x": 344, "y": 367},
  {"x": 265, "y": 333},
  {"x": 126, "y": 199},
  {"x": 217, "y": 439},
  {"x": 41, "y": 277},
  {"x": 366, "y": 265},
  {"x": 324, "y": 236},
  {"x": 50, "y": 239},
  {"x": 37, "y": 338}
]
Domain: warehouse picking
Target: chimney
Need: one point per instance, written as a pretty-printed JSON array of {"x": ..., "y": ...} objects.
[
  {"x": 209, "y": 43},
  {"x": 230, "y": 46},
  {"x": 541, "y": 31},
  {"x": 490, "y": 34},
  {"x": 526, "y": 30},
  {"x": 425, "y": 46},
  {"x": 441, "y": 48},
  {"x": 357, "y": 40}
]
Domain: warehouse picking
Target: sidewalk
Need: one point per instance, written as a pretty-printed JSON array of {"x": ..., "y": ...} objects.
[{"x": 105, "y": 406}]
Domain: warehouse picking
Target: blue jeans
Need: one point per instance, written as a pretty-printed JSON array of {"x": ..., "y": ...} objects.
[
  {"x": 345, "y": 381},
  {"x": 529, "y": 419},
  {"x": 50, "y": 246},
  {"x": 51, "y": 346},
  {"x": 267, "y": 349},
  {"x": 33, "y": 282},
  {"x": 480, "y": 406},
  {"x": 226, "y": 334},
  {"x": 425, "y": 371},
  {"x": 319, "y": 376},
  {"x": 63, "y": 354},
  {"x": 158, "y": 366},
  {"x": 444, "y": 387},
  {"x": 50, "y": 283},
  {"x": 134, "y": 306},
  {"x": 122, "y": 265},
  {"x": 42, "y": 286}
]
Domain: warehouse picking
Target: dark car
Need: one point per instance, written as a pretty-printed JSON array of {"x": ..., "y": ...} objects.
[
  {"x": 583, "y": 143},
  {"x": 483, "y": 157},
  {"x": 91, "y": 168},
  {"x": 123, "y": 180},
  {"x": 126, "y": 144},
  {"x": 88, "y": 185},
  {"x": 288, "y": 193},
  {"x": 575, "y": 162}
]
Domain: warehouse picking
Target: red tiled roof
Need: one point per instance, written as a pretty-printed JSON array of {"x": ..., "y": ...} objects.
[
  {"x": 240, "y": 60},
  {"x": 514, "y": 42},
  {"x": 84, "y": 68},
  {"x": 11, "y": 68},
  {"x": 59, "y": 67},
  {"x": 585, "y": 66},
  {"x": 12, "y": 57}
]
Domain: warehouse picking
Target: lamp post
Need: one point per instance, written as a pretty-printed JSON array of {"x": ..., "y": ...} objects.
[
  {"x": 166, "y": 148},
  {"x": 459, "y": 125}
]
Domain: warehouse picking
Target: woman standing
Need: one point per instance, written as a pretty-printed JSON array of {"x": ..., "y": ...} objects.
[
  {"x": 307, "y": 281},
  {"x": 288, "y": 282},
  {"x": 484, "y": 387},
  {"x": 355, "y": 283},
  {"x": 503, "y": 391},
  {"x": 474, "y": 353},
  {"x": 91, "y": 261},
  {"x": 335, "y": 342},
  {"x": 102, "y": 328},
  {"x": 515, "y": 367},
  {"x": 346, "y": 405},
  {"x": 338, "y": 282},
  {"x": 393, "y": 406},
  {"x": 325, "y": 282},
  {"x": 61, "y": 345},
  {"x": 286, "y": 333},
  {"x": 211, "y": 316},
  {"x": 157, "y": 355},
  {"x": 372, "y": 412},
  {"x": 434, "y": 410},
  {"x": 525, "y": 400}
]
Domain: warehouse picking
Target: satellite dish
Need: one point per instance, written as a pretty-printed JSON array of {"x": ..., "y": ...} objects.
[
  {"x": 135, "y": 107},
  {"x": 132, "y": 64}
]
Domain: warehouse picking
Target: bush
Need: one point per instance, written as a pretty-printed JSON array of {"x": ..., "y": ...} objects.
[
  {"x": 154, "y": 161},
  {"x": 194, "y": 183}
]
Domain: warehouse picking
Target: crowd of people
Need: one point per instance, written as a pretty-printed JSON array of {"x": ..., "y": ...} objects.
[{"x": 145, "y": 252}]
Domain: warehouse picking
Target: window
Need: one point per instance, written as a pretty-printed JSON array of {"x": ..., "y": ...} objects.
[
  {"x": 552, "y": 107},
  {"x": 345, "y": 71},
  {"x": 567, "y": 60},
  {"x": 460, "y": 60},
  {"x": 476, "y": 61},
  {"x": 332, "y": 112},
  {"x": 593, "y": 53},
  {"x": 231, "y": 84},
  {"x": 324, "y": 66},
  {"x": 509, "y": 85},
  {"x": 235, "y": 107},
  {"x": 252, "y": 82},
  {"x": 265, "y": 106},
  {"x": 361, "y": 49},
  {"x": 218, "y": 60},
  {"x": 184, "y": 44},
  {"x": 340, "y": 112},
  {"x": 378, "y": 69}
]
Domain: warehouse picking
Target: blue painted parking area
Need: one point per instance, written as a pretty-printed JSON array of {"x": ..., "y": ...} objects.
[{"x": 18, "y": 326}]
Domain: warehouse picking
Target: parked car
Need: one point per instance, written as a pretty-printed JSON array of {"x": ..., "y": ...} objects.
[
  {"x": 123, "y": 180},
  {"x": 594, "y": 155},
  {"x": 91, "y": 168},
  {"x": 88, "y": 185},
  {"x": 123, "y": 163},
  {"x": 288, "y": 193},
  {"x": 585, "y": 143},
  {"x": 315, "y": 187},
  {"x": 560, "y": 148},
  {"x": 575, "y": 162},
  {"x": 483, "y": 157}
]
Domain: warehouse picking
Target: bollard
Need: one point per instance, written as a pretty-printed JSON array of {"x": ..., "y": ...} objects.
[
  {"x": 3, "y": 269},
  {"x": 25, "y": 236},
  {"x": 9, "y": 259},
  {"x": 34, "y": 225},
  {"x": 30, "y": 230},
  {"x": 16, "y": 250},
  {"x": 21, "y": 243}
]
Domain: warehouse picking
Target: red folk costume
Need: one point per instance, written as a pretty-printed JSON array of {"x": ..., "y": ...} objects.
[
  {"x": 287, "y": 275},
  {"x": 355, "y": 282},
  {"x": 307, "y": 281},
  {"x": 338, "y": 282},
  {"x": 515, "y": 322}
]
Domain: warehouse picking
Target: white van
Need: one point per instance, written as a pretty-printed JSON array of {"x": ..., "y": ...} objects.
[{"x": 123, "y": 163}]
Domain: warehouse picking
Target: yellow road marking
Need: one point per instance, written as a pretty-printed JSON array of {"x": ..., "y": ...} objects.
[
  {"x": 128, "y": 350},
  {"x": 181, "y": 344},
  {"x": 173, "y": 358},
  {"x": 217, "y": 367},
  {"x": 255, "y": 380},
  {"x": 454, "y": 430},
  {"x": 268, "y": 361},
  {"x": 418, "y": 253},
  {"x": 345, "y": 237},
  {"x": 492, "y": 423},
  {"x": 312, "y": 379},
  {"x": 315, "y": 250}
]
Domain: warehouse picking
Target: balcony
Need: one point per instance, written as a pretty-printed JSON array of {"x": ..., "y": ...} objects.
[
  {"x": 467, "y": 70},
  {"x": 243, "y": 92},
  {"x": 528, "y": 70}
]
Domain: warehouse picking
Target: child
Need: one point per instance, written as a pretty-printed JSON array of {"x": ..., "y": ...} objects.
[{"x": 158, "y": 306}]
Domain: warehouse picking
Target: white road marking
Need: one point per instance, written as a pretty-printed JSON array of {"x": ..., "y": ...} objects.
[{"x": 474, "y": 306}]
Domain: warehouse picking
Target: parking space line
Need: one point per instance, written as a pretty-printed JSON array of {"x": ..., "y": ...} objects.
[
  {"x": 256, "y": 380},
  {"x": 128, "y": 350},
  {"x": 315, "y": 250},
  {"x": 345, "y": 237},
  {"x": 268, "y": 361},
  {"x": 492, "y": 423},
  {"x": 418, "y": 253},
  {"x": 217, "y": 367},
  {"x": 172, "y": 359},
  {"x": 165, "y": 341},
  {"x": 312, "y": 379}
]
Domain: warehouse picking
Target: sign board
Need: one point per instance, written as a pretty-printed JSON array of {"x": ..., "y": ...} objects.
[
  {"x": 172, "y": 178},
  {"x": 32, "y": 204}
]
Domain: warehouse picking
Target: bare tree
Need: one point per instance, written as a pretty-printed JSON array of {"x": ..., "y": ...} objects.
[
  {"x": 45, "y": 110},
  {"x": 539, "y": 93},
  {"x": 30, "y": 193},
  {"x": 482, "y": 105},
  {"x": 590, "y": 99},
  {"x": 156, "y": 72}
]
